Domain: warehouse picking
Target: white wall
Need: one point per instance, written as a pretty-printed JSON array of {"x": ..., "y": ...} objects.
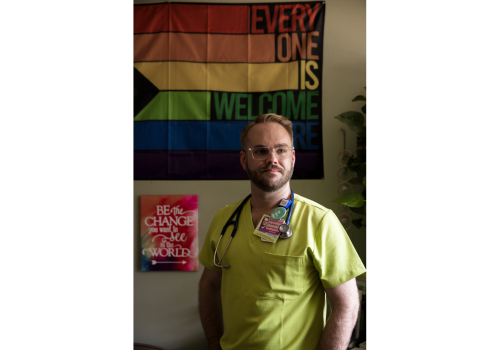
[{"x": 165, "y": 303}]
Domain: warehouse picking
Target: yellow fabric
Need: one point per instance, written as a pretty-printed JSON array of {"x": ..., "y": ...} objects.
[
  {"x": 273, "y": 294},
  {"x": 273, "y": 76},
  {"x": 237, "y": 77}
]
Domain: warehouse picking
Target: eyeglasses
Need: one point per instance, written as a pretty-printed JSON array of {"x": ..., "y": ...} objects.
[{"x": 260, "y": 153}]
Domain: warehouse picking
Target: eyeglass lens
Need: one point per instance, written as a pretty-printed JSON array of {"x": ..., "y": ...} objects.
[{"x": 263, "y": 152}]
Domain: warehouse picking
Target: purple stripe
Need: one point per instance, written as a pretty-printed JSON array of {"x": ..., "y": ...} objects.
[{"x": 214, "y": 165}]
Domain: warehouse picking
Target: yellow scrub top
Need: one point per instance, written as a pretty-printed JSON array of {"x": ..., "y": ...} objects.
[{"x": 273, "y": 294}]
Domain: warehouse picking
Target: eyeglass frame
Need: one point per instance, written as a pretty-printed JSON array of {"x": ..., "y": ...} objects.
[{"x": 271, "y": 151}]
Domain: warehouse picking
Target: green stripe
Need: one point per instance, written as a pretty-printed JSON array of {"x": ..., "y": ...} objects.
[{"x": 177, "y": 105}]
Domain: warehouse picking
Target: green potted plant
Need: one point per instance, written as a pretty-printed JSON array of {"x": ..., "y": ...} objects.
[{"x": 356, "y": 163}]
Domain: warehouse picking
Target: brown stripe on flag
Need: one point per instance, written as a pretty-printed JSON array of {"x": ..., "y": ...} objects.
[{"x": 193, "y": 48}]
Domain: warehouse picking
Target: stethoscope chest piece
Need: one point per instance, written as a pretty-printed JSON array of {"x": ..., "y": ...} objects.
[
  {"x": 283, "y": 228},
  {"x": 285, "y": 231}
]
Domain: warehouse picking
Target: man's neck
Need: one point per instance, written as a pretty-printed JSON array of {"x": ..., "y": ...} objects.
[{"x": 266, "y": 201}]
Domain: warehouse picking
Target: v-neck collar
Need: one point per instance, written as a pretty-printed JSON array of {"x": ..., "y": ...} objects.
[{"x": 246, "y": 215}]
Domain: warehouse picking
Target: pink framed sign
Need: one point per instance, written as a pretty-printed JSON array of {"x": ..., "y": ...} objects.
[{"x": 169, "y": 233}]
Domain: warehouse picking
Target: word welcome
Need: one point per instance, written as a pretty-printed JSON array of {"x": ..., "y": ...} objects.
[{"x": 300, "y": 105}]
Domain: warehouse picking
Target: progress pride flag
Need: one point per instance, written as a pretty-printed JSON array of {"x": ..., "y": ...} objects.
[{"x": 203, "y": 71}]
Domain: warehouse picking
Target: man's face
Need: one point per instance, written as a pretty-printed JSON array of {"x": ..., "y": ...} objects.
[{"x": 269, "y": 174}]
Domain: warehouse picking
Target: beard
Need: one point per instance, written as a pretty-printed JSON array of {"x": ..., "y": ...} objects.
[{"x": 256, "y": 176}]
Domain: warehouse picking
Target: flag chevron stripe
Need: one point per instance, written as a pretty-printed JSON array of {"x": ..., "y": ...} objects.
[
  {"x": 211, "y": 165},
  {"x": 201, "y": 18},
  {"x": 187, "y": 135},
  {"x": 227, "y": 106},
  {"x": 224, "y": 18},
  {"x": 258, "y": 48},
  {"x": 194, "y": 135},
  {"x": 177, "y": 105},
  {"x": 221, "y": 77}
]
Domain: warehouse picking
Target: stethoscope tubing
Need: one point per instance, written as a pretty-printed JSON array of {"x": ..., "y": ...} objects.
[
  {"x": 291, "y": 209},
  {"x": 235, "y": 227}
]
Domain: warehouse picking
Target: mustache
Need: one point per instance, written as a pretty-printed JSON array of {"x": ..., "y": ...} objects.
[{"x": 275, "y": 167}]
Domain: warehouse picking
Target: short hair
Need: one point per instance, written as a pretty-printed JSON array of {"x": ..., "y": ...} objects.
[{"x": 267, "y": 118}]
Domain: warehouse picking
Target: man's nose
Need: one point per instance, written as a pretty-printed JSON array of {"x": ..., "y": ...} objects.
[{"x": 272, "y": 158}]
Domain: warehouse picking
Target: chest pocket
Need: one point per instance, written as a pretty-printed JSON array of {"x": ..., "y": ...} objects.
[{"x": 282, "y": 276}]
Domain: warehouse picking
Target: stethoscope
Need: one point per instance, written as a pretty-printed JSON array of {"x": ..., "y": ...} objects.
[{"x": 284, "y": 229}]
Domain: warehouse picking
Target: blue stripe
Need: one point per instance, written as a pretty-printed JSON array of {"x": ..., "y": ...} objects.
[{"x": 188, "y": 135}]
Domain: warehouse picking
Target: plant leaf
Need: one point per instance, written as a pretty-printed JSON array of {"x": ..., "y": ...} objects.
[
  {"x": 361, "y": 170},
  {"x": 357, "y": 222},
  {"x": 364, "y": 181},
  {"x": 360, "y": 210},
  {"x": 359, "y": 98},
  {"x": 361, "y": 154},
  {"x": 353, "y": 200},
  {"x": 352, "y": 165},
  {"x": 357, "y": 128},
  {"x": 356, "y": 181},
  {"x": 361, "y": 141},
  {"x": 364, "y": 109},
  {"x": 351, "y": 117}
]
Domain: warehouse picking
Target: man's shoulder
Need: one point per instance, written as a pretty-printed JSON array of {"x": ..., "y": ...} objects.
[
  {"x": 310, "y": 204},
  {"x": 228, "y": 209}
]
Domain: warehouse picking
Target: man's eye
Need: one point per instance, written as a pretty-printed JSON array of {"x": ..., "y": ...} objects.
[
  {"x": 281, "y": 150},
  {"x": 261, "y": 151}
]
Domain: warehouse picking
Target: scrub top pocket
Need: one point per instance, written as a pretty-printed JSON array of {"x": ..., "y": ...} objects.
[{"x": 282, "y": 276}]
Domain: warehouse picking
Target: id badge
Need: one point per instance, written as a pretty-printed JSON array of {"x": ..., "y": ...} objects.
[{"x": 267, "y": 229}]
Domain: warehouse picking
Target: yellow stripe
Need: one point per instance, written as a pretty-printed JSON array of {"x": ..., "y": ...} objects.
[
  {"x": 228, "y": 77},
  {"x": 273, "y": 76},
  {"x": 156, "y": 73},
  {"x": 235, "y": 77}
]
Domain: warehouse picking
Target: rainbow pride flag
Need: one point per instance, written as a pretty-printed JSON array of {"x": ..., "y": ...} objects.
[{"x": 204, "y": 71}]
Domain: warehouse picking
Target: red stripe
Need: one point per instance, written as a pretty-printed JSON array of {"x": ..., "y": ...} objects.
[
  {"x": 190, "y": 18},
  {"x": 228, "y": 19},
  {"x": 151, "y": 18}
]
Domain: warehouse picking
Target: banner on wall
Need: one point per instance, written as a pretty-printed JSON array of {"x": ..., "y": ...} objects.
[
  {"x": 169, "y": 233},
  {"x": 203, "y": 71}
]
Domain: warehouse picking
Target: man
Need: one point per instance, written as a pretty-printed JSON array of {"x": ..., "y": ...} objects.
[{"x": 272, "y": 295}]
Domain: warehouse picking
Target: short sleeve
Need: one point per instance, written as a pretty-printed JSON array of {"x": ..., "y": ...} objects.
[
  {"x": 207, "y": 252},
  {"x": 334, "y": 256}
]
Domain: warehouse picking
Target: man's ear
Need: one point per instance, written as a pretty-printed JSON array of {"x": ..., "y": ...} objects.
[
  {"x": 293, "y": 158},
  {"x": 242, "y": 160}
]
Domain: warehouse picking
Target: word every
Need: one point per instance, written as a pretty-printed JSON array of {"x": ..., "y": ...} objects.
[{"x": 286, "y": 16}]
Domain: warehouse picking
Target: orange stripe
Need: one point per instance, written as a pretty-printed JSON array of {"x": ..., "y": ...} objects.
[
  {"x": 151, "y": 47},
  {"x": 188, "y": 47},
  {"x": 212, "y": 48}
]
